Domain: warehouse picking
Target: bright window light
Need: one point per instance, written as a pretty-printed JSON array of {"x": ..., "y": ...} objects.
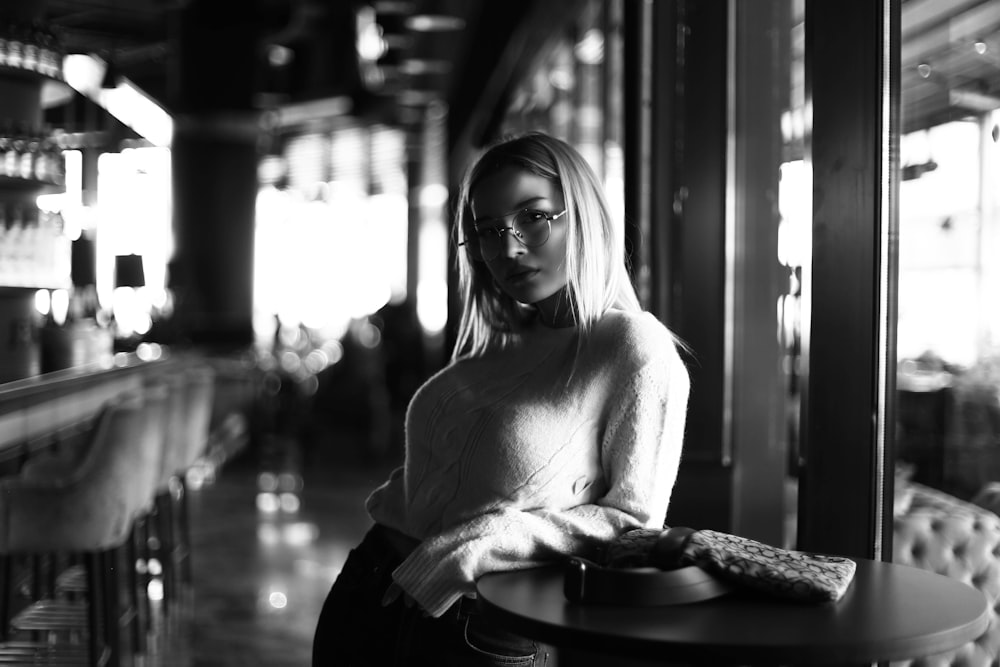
[
  {"x": 432, "y": 284},
  {"x": 321, "y": 263}
]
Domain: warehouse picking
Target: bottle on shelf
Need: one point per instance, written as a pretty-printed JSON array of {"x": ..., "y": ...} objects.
[
  {"x": 42, "y": 170},
  {"x": 5, "y": 253},
  {"x": 28, "y": 154},
  {"x": 56, "y": 164},
  {"x": 30, "y": 265},
  {"x": 15, "y": 243},
  {"x": 5, "y": 140},
  {"x": 47, "y": 58},
  {"x": 12, "y": 158},
  {"x": 15, "y": 47},
  {"x": 30, "y": 60}
]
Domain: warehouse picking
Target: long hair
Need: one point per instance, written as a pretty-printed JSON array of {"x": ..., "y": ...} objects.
[{"x": 597, "y": 276}]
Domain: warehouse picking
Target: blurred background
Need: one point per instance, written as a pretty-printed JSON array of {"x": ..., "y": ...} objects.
[{"x": 265, "y": 188}]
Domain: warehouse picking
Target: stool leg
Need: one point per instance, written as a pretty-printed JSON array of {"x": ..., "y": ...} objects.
[
  {"x": 37, "y": 575},
  {"x": 6, "y": 593},
  {"x": 146, "y": 534},
  {"x": 94, "y": 587},
  {"x": 112, "y": 605},
  {"x": 184, "y": 532},
  {"x": 165, "y": 538},
  {"x": 134, "y": 608}
]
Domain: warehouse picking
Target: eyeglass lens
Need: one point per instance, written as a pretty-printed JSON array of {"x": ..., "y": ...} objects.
[{"x": 530, "y": 228}]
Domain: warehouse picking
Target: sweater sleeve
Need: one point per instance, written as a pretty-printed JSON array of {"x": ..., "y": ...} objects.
[{"x": 640, "y": 455}]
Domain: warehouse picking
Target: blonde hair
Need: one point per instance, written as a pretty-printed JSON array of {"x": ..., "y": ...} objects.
[{"x": 597, "y": 275}]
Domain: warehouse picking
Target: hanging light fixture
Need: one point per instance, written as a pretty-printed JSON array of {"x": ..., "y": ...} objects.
[
  {"x": 129, "y": 271},
  {"x": 435, "y": 16},
  {"x": 434, "y": 23}
]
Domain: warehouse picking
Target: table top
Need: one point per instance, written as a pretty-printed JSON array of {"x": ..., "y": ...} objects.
[{"x": 889, "y": 612}]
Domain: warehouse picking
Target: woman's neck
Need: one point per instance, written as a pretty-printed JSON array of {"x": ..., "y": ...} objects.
[{"x": 556, "y": 312}]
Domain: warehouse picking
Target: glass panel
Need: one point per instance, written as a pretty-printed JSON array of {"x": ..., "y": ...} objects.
[
  {"x": 949, "y": 366},
  {"x": 768, "y": 221},
  {"x": 794, "y": 251},
  {"x": 948, "y": 379}
]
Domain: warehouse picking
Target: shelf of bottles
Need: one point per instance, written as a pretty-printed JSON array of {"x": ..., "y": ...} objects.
[
  {"x": 34, "y": 252},
  {"x": 30, "y": 49},
  {"x": 29, "y": 159}
]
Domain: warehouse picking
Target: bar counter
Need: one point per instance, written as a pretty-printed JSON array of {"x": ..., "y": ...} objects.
[{"x": 53, "y": 409}]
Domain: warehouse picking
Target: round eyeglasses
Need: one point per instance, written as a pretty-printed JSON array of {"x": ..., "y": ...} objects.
[{"x": 530, "y": 227}]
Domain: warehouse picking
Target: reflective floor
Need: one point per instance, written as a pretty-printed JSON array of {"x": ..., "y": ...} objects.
[{"x": 269, "y": 536}]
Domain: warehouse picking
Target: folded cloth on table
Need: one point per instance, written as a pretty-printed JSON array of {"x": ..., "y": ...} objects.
[{"x": 746, "y": 563}]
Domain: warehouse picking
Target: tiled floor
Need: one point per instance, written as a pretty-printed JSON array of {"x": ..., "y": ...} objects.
[{"x": 261, "y": 573}]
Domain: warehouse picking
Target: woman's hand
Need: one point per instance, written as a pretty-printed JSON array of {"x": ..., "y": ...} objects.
[{"x": 394, "y": 592}]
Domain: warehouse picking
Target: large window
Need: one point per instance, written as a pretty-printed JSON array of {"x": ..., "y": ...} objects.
[
  {"x": 949, "y": 286},
  {"x": 331, "y": 230}
]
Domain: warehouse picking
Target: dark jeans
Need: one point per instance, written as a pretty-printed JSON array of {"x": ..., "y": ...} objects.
[{"x": 355, "y": 630}]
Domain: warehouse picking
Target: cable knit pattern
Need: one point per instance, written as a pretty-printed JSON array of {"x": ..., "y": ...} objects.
[{"x": 543, "y": 449}]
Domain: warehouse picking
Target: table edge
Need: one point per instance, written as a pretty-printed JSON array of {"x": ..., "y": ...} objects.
[{"x": 899, "y": 649}]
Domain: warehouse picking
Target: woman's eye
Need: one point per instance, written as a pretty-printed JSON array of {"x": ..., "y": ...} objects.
[{"x": 533, "y": 216}]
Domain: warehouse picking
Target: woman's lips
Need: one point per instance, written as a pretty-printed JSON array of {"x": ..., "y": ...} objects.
[{"x": 521, "y": 275}]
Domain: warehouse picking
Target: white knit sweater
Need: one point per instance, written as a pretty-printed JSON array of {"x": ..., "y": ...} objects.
[{"x": 522, "y": 455}]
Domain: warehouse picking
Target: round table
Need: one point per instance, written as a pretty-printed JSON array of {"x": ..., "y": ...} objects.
[{"x": 890, "y": 612}]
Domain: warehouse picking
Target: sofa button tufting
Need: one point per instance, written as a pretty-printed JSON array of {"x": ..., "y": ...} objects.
[{"x": 940, "y": 534}]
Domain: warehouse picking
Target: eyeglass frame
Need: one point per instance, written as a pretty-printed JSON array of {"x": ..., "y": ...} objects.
[{"x": 549, "y": 218}]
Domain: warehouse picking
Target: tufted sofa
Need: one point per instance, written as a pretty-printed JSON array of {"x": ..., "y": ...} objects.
[{"x": 938, "y": 532}]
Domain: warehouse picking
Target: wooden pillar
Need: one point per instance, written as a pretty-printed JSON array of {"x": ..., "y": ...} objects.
[{"x": 849, "y": 289}]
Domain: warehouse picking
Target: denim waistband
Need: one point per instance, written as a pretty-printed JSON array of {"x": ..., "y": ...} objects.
[{"x": 462, "y": 609}]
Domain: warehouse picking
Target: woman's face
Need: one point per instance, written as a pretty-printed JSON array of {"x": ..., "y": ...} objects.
[{"x": 529, "y": 275}]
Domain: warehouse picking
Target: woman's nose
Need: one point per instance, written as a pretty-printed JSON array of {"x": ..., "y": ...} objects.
[{"x": 511, "y": 245}]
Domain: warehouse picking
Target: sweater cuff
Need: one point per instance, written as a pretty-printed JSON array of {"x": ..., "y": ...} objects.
[{"x": 425, "y": 578}]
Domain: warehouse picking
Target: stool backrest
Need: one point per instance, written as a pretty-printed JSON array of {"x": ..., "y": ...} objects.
[
  {"x": 198, "y": 411},
  {"x": 174, "y": 446},
  {"x": 152, "y": 441},
  {"x": 91, "y": 508}
]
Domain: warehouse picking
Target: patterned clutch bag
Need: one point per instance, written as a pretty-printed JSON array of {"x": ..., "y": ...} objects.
[{"x": 739, "y": 561}]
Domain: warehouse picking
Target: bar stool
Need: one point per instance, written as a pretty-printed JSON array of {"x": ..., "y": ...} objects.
[
  {"x": 192, "y": 392},
  {"x": 160, "y": 525},
  {"x": 88, "y": 511},
  {"x": 73, "y": 580},
  {"x": 199, "y": 398}
]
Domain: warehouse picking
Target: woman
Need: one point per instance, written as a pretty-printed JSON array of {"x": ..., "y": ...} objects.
[{"x": 556, "y": 427}]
